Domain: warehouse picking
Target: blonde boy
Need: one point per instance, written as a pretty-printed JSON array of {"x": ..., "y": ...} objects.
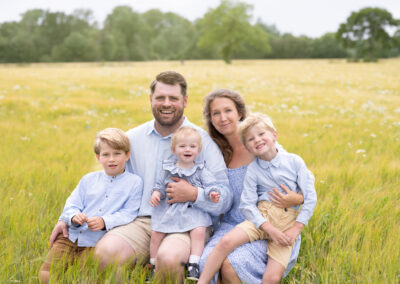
[
  {"x": 102, "y": 200},
  {"x": 280, "y": 227}
]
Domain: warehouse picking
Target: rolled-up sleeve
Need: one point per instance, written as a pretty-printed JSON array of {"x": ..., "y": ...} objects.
[
  {"x": 249, "y": 199},
  {"x": 306, "y": 182}
]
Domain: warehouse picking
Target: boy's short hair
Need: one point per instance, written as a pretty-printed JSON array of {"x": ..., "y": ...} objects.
[
  {"x": 183, "y": 132},
  {"x": 170, "y": 78},
  {"x": 251, "y": 121},
  {"x": 114, "y": 137}
]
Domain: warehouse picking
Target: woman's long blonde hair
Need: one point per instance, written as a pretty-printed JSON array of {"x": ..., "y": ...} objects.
[{"x": 220, "y": 139}]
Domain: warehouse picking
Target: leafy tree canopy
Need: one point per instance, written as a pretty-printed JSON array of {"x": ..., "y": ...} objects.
[{"x": 366, "y": 32}]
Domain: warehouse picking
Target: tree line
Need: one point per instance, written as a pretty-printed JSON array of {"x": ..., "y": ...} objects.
[{"x": 225, "y": 32}]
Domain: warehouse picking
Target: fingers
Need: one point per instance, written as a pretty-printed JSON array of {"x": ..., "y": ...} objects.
[
  {"x": 175, "y": 178},
  {"x": 60, "y": 227},
  {"x": 95, "y": 223},
  {"x": 285, "y": 188}
]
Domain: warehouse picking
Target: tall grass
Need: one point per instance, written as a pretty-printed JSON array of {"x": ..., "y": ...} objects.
[{"x": 342, "y": 118}]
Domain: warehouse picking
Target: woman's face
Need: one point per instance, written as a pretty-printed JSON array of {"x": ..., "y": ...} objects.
[{"x": 224, "y": 116}]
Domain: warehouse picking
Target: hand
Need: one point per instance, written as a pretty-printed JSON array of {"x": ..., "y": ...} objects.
[
  {"x": 276, "y": 236},
  {"x": 287, "y": 200},
  {"x": 180, "y": 191},
  {"x": 214, "y": 196},
  {"x": 60, "y": 228},
  {"x": 155, "y": 198},
  {"x": 95, "y": 223},
  {"x": 80, "y": 218},
  {"x": 294, "y": 232}
]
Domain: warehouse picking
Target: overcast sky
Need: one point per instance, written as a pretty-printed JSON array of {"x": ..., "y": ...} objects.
[{"x": 299, "y": 17}]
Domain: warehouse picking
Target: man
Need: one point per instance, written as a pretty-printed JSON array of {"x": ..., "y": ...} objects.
[{"x": 150, "y": 145}]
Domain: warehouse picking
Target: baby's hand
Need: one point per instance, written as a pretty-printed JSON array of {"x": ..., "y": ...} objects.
[
  {"x": 155, "y": 198},
  {"x": 80, "y": 218},
  {"x": 276, "y": 236},
  {"x": 95, "y": 223},
  {"x": 214, "y": 196}
]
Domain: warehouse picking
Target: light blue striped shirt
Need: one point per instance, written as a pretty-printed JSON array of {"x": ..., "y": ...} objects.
[
  {"x": 261, "y": 176},
  {"x": 115, "y": 199},
  {"x": 148, "y": 151}
]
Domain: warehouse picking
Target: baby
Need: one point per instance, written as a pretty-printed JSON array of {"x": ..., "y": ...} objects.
[{"x": 182, "y": 217}]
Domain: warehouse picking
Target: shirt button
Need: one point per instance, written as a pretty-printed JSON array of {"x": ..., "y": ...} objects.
[
  {"x": 80, "y": 232},
  {"x": 100, "y": 210},
  {"x": 106, "y": 196}
]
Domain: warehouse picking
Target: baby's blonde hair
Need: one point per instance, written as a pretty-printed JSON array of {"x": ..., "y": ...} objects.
[
  {"x": 114, "y": 137},
  {"x": 252, "y": 120},
  {"x": 185, "y": 131}
]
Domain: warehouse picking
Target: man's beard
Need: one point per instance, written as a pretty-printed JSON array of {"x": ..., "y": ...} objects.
[{"x": 177, "y": 115}]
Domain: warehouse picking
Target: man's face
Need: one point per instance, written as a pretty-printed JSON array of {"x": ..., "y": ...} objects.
[{"x": 167, "y": 104}]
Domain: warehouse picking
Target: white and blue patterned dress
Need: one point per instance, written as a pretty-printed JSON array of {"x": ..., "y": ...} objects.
[
  {"x": 181, "y": 217},
  {"x": 248, "y": 260}
]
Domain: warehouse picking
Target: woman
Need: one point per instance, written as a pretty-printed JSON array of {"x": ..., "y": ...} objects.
[{"x": 223, "y": 110}]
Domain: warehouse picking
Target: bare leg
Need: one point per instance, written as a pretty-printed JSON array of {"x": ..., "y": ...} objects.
[
  {"x": 112, "y": 248},
  {"x": 197, "y": 237},
  {"x": 273, "y": 272},
  {"x": 171, "y": 256},
  {"x": 229, "y": 242},
  {"x": 155, "y": 242},
  {"x": 228, "y": 274}
]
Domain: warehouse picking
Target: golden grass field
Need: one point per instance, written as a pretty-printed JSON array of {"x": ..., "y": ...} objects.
[{"x": 342, "y": 118}]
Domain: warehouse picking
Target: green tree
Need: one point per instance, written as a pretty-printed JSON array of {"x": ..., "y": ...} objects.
[
  {"x": 366, "y": 33},
  {"x": 228, "y": 28},
  {"x": 123, "y": 35},
  {"x": 170, "y": 35}
]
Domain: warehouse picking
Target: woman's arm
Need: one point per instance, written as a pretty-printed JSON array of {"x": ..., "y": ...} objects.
[{"x": 287, "y": 200}]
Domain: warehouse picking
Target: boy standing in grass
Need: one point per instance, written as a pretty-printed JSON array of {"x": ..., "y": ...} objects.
[
  {"x": 280, "y": 227},
  {"x": 102, "y": 200}
]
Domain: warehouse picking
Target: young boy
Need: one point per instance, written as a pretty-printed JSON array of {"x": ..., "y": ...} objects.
[
  {"x": 101, "y": 201},
  {"x": 281, "y": 227}
]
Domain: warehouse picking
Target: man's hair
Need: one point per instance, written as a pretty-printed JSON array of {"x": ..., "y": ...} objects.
[
  {"x": 251, "y": 121},
  {"x": 185, "y": 131},
  {"x": 170, "y": 78},
  {"x": 113, "y": 137}
]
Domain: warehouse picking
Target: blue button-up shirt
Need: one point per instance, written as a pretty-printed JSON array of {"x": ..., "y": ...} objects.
[
  {"x": 261, "y": 176},
  {"x": 148, "y": 151},
  {"x": 115, "y": 199}
]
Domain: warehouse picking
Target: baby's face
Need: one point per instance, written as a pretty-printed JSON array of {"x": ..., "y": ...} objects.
[{"x": 187, "y": 148}]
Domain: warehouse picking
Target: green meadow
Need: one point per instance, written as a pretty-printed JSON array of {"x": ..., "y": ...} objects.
[{"x": 342, "y": 118}]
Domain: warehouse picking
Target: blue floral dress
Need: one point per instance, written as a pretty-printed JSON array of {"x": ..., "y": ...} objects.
[
  {"x": 248, "y": 260},
  {"x": 183, "y": 216}
]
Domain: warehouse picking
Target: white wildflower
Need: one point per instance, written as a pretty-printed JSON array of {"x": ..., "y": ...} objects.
[
  {"x": 359, "y": 151},
  {"x": 373, "y": 135}
]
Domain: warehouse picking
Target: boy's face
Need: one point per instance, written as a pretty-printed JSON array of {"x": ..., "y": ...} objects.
[
  {"x": 187, "y": 148},
  {"x": 112, "y": 160},
  {"x": 260, "y": 142}
]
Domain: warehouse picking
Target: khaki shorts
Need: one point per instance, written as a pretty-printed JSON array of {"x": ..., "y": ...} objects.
[
  {"x": 282, "y": 220},
  {"x": 64, "y": 250},
  {"x": 138, "y": 234}
]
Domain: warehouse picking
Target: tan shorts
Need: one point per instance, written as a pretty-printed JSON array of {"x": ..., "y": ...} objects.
[
  {"x": 138, "y": 234},
  {"x": 64, "y": 250},
  {"x": 282, "y": 220}
]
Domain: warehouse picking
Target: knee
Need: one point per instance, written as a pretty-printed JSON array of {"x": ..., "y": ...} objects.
[
  {"x": 226, "y": 244},
  {"x": 271, "y": 278},
  {"x": 168, "y": 260}
]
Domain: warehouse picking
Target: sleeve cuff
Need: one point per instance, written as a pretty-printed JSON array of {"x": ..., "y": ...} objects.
[{"x": 200, "y": 196}]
